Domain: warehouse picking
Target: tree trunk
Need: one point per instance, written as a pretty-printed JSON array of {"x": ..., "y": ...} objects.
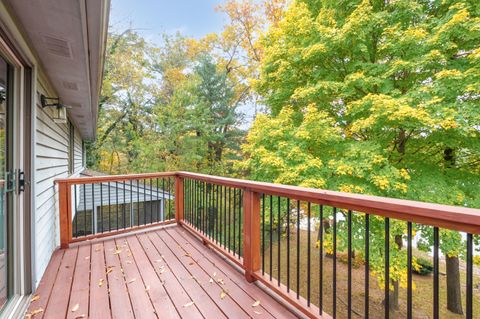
[
  {"x": 394, "y": 304},
  {"x": 454, "y": 295}
]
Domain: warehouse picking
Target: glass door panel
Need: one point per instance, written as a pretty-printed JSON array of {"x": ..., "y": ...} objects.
[{"x": 4, "y": 96}]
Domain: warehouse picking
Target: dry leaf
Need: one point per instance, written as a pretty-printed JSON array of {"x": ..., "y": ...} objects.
[
  {"x": 223, "y": 294},
  {"x": 35, "y": 298},
  {"x": 147, "y": 288},
  {"x": 75, "y": 308},
  {"x": 188, "y": 304},
  {"x": 211, "y": 280},
  {"x": 256, "y": 303},
  {"x": 131, "y": 280},
  {"x": 81, "y": 316},
  {"x": 158, "y": 261},
  {"x": 128, "y": 261},
  {"x": 220, "y": 281},
  {"x": 258, "y": 312},
  {"x": 109, "y": 270},
  {"x": 34, "y": 313},
  {"x": 214, "y": 274},
  {"x": 100, "y": 282},
  {"x": 118, "y": 251},
  {"x": 88, "y": 257},
  {"x": 192, "y": 263},
  {"x": 97, "y": 248}
]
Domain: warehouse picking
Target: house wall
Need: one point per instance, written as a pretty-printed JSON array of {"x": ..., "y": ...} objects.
[{"x": 51, "y": 161}]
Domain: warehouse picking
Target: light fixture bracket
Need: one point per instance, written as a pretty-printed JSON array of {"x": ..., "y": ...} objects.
[{"x": 46, "y": 101}]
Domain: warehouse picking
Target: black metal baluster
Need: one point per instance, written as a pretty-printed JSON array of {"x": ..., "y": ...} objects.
[
  {"x": 229, "y": 216},
  {"x": 288, "y": 245},
  {"x": 223, "y": 198},
  {"x": 166, "y": 196},
  {"x": 151, "y": 199},
  {"x": 158, "y": 199},
  {"x": 271, "y": 238},
  {"x": 436, "y": 273},
  {"x": 387, "y": 268},
  {"x": 94, "y": 211},
  {"x": 234, "y": 222},
  {"x": 101, "y": 206},
  {"x": 240, "y": 210},
  {"x": 144, "y": 202},
  {"x": 334, "y": 312},
  {"x": 124, "y": 206},
  {"x": 109, "y": 209},
  {"x": 169, "y": 202},
  {"x": 75, "y": 219},
  {"x": 85, "y": 209},
  {"x": 219, "y": 217},
  {"x": 138, "y": 201},
  {"x": 131, "y": 204},
  {"x": 469, "y": 304},
  {"x": 367, "y": 265},
  {"x": 116, "y": 205},
  {"x": 298, "y": 249},
  {"x": 279, "y": 230},
  {"x": 308, "y": 253},
  {"x": 349, "y": 275},
  {"x": 263, "y": 234},
  {"x": 219, "y": 207},
  {"x": 320, "y": 262},
  {"x": 409, "y": 270}
]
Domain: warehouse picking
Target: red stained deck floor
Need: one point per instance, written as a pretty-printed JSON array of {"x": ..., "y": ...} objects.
[{"x": 165, "y": 273}]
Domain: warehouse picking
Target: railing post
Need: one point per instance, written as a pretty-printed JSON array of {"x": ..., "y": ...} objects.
[
  {"x": 251, "y": 234},
  {"x": 178, "y": 198},
  {"x": 64, "y": 196}
]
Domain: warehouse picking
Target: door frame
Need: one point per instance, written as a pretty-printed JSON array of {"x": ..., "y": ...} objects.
[{"x": 20, "y": 267}]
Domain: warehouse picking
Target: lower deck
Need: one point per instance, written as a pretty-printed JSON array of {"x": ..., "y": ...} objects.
[{"x": 162, "y": 273}]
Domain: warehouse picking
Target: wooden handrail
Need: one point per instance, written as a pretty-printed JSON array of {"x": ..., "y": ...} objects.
[{"x": 444, "y": 216}]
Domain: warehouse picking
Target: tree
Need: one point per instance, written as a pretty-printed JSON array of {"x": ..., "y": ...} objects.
[{"x": 374, "y": 97}]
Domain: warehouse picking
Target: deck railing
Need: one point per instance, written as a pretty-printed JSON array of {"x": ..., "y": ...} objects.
[{"x": 301, "y": 243}]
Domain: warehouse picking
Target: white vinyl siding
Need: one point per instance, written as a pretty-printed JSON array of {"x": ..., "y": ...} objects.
[{"x": 51, "y": 162}]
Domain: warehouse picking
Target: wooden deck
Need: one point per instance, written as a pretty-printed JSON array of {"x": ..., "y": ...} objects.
[{"x": 165, "y": 273}]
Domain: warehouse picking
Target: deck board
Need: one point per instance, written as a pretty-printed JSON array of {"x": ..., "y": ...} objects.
[{"x": 164, "y": 273}]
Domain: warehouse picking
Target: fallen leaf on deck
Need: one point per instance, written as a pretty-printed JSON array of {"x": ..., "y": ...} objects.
[
  {"x": 214, "y": 274},
  {"x": 35, "y": 298},
  {"x": 258, "y": 312},
  {"x": 88, "y": 257},
  {"x": 100, "y": 282},
  {"x": 223, "y": 294},
  {"x": 147, "y": 288},
  {"x": 158, "y": 261},
  {"x": 75, "y": 308},
  {"x": 220, "y": 281},
  {"x": 192, "y": 263},
  {"x": 256, "y": 303},
  {"x": 97, "y": 248},
  {"x": 128, "y": 261},
  {"x": 211, "y": 280},
  {"x": 118, "y": 251},
  {"x": 109, "y": 270},
  {"x": 132, "y": 280},
  {"x": 34, "y": 313},
  {"x": 188, "y": 304},
  {"x": 81, "y": 316}
]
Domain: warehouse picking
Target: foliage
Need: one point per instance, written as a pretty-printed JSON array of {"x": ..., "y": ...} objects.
[{"x": 425, "y": 267}]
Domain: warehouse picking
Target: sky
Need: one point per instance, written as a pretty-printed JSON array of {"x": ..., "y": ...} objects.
[{"x": 151, "y": 18}]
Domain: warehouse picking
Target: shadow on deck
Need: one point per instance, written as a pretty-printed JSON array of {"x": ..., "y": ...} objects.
[{"x": 161, "y": 273}]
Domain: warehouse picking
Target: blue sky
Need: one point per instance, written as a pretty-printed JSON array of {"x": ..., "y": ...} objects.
[{"x": 194, "y": 18}]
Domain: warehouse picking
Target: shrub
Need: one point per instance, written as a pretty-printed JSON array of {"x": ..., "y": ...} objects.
[{"x": 425, "y": 267}]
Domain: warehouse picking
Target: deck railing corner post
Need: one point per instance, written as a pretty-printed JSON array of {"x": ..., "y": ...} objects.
[
  {"x": 179, "y": 199},
  {"x": 65, "y": 212},
  {"x": 251, "y": 234}
]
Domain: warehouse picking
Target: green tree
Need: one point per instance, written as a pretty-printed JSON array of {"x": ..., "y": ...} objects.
[{"x": 374, "y": 97}]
